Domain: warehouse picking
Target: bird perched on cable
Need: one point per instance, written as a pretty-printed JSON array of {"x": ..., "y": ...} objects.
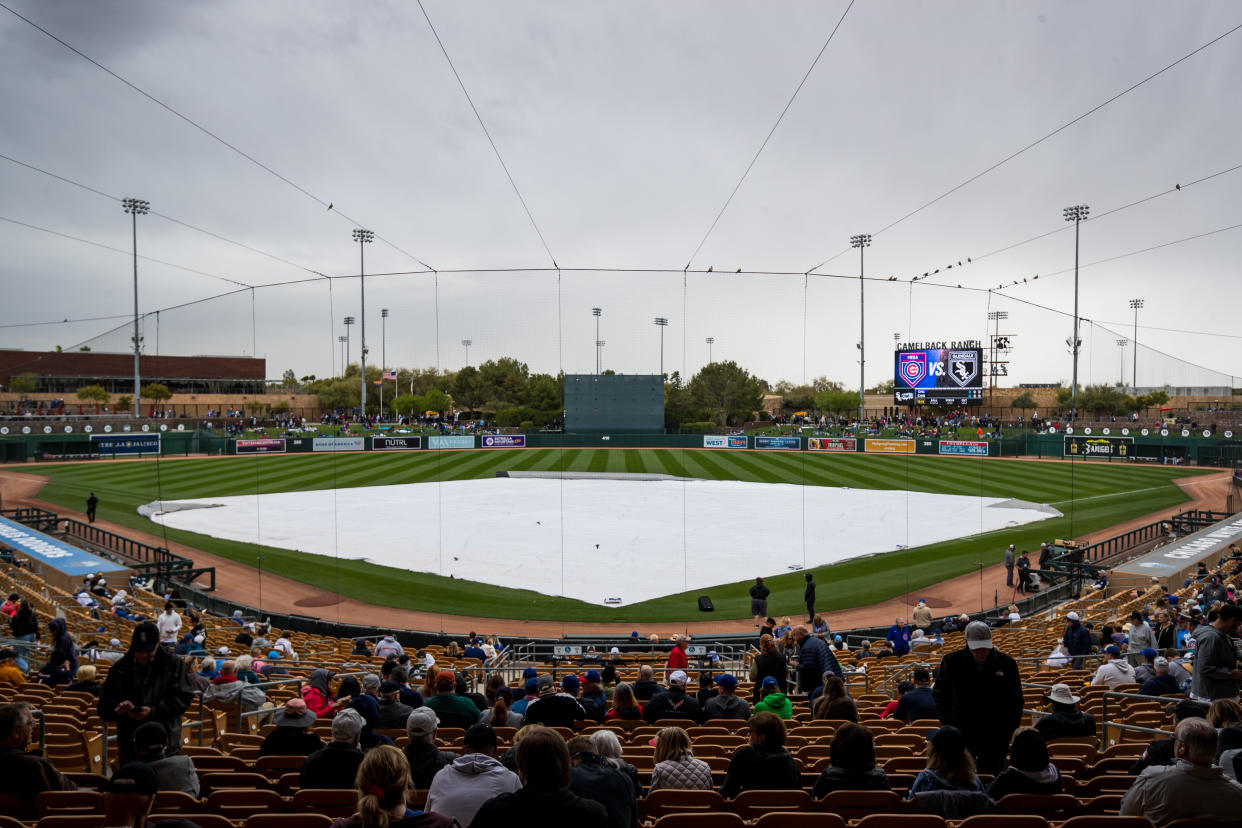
[
  {"x": 330, "y": 203},
  {"x": 1177, "y": 186},
  {"x": 739, "y": 270},
  {"x": 709, "y": 268}
]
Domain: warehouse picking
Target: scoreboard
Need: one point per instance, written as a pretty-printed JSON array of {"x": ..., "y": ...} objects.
[{"x": 939, "y": 375}]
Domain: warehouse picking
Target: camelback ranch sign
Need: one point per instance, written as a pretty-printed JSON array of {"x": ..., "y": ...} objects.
[{"x": 1081, "y": 446}]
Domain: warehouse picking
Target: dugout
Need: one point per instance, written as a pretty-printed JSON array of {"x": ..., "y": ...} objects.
[
  {"x": 1174, "y": 562},
  {"x": 55, "y": 561}
]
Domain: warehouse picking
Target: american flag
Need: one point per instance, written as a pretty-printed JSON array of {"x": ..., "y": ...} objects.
[{"x": 390, "y": 375}]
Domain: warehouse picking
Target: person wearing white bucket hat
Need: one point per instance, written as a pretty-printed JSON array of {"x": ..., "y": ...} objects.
[{"x": 1066, "y": 719}]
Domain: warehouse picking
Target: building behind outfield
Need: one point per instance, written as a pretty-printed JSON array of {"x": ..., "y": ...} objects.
[
  {"x": 63, "y": 373},
  {"x": 614, "y": 402}
]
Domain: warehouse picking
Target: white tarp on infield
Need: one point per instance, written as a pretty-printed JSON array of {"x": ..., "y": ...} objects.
[{"x": 598, "y": 539}]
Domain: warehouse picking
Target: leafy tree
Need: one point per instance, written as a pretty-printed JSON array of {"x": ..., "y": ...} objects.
[
  {"x": 728, "y": 391},
  {"x": 85, "y": 348},
  {"x": 337, "y": 392},
  {"x": 547, "y": 393},
  {"x": 679, "y": 407},
  {"x": 825, "y": 384},
  {"x": 796, "y": 398},
  {"x": 886, "y": 387},
  {"x": 409, "y": 404},
  {"x": 1155, "y": 399},
  {"x": 94, "y": 393},
  {"x": 1024, "y": 402},
  {"x": 1065, "y": 397},
  {"x": 837, "y": 402},
  {"x": 156, "y": 391},
  {"x": 422, "y": 380},
  {"x": 504, "y": 383},
  {"x": 281, "y": 407},
  {"x": 468, "y": 388},
  {"x": 23, "y": 383},
  {"x": 437, "y": 401},
  {"x": 289, "y": 379},
  {"x": 124, "y": 402}
]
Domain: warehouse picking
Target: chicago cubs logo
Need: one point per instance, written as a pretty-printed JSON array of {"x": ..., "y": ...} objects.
[{"x": 913, "y": 368}]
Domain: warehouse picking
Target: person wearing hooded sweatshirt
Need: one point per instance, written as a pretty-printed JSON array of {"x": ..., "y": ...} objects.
[
  {"x": 461, "y": 788},
  {"x": 63, "y": 641},
  {"x": 148, "y": 683},
  {"x": 774, "y": 701},
  {"x": 25, "y": 626},
  {"x": 673, "y": 703},
  {"x": 764, "y": 764},
  {"x": 317, "y": 693},
  {"x": 1077, "y": 639},
  {"x": 1114, "y": 671},
  {"x": 725, "y": 704},
  {"x": 1030, "y": 770}
]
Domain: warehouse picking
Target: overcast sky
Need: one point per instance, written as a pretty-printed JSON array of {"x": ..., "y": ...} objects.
[{"x": 625, "y": 127}]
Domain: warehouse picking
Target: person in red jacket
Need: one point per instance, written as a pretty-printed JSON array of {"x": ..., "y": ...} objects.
[{"x": 677, "y": 656}]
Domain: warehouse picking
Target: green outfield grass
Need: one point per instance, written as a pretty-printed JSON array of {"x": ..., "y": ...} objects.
[{"x": 1093, "y": 496}]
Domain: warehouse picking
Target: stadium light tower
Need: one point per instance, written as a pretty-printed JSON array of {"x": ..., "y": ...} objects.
[
  {"x": 1121, "y": 345},
  {"x": 349, "y": 320},
  {"x": 662, "y": 323},
  {"x": 344, "y": 340},
  {"x": 711, "y": 340},
  {"x": 466, "y": 343},
  {"x": 383, "y": 354},
  {"x": 1136, "y": 305},
  {"x": 1077, "y": 214},
  {"x": 136, "y": 207},
  {"x": 599, "y": 349},
  {"x": 598, "y": 344},
  {"x": 862, "y": 241},
  {"x": 363, "y": 237}
]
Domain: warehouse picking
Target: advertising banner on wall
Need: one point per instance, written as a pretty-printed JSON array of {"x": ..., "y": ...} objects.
[
  {"x": 111, "y": 444},
  {"x": 971, "y": 447},
  {"x": 439, "y": 441},
  {"x": 889, "y": 446},
  {"x": 778, "y": 442},
  {"x": 503, "y": 441},
  {"x": 339, "y": 444},
  {"x": 268, "y": 445},
  {"x": 1082, "y": 446},
  {"x": 389, "y": 443},
  {"x": 832, "y": 443},
  {"x": 723, "y": 441}
]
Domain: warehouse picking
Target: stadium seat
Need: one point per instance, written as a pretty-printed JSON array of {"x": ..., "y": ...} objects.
[
  {"x": 752, "y": 804},
  {"x": 287, "y": 821},
  {"x": 902, "y": 821},
  {"x": 1092, "y": 821},
  {"x": 666, "y": 801},
  {"x": 68, "y": 802},
  {"x": 334, "y": 802},
  {"x": 854, "y": 805},
  {"x": 239, "y": 804},
  {"x": 722, "y": 819},
  {"x": 201, "y": 820},
  {"x": 778, "y": 819},
  {"x": 1051, "y": 806},
  {"x": 1004, "y": 821}
]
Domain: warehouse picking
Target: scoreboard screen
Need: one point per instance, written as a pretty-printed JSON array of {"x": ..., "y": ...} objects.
[{"x": 939, "y": 376}]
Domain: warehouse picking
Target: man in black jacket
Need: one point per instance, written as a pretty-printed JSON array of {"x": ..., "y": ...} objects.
[
  {"x": 1077, "y": 639},
  {"x": 337, "y": 764},
  {"x": 553, "y": 709},
  {"x": 148, "y": 683},
  {"x": 978, "y": 691},
  {"x": 590, "y": 778},
  {"x": 544, "y": 767},
  {"x": 646, "y": 687},
  {"x": 808, "y": 596},
  {"x": 674, "y": 703}
]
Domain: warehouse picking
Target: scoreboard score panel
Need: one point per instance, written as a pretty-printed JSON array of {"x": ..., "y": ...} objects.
[{"x": 938, "y": 376}]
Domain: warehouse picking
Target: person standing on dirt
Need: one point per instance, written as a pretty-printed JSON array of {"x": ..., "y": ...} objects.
[
  {"x": 92, "y": 503},
  {"x": 809, "y": 597},
  {"x": 759, "y": 600},
  {"x": 1009, "y": 562}
]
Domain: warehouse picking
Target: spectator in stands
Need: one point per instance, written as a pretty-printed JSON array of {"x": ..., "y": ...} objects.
[
  {"x": 1114, "y": 671},
  {"x": 452, "y": 709},
  {"x": 85, "y": 682},
  {"x": 1192, "y": 788},
  {"x": 1213, "y": 592},
  {"x": 814, "y": 659},
  {"x": 1224, "y": 713},
  {"x": 545, "y": 799},
  {"x": 918, "y": 703},
  {"x": 725, "y": 704},
  {"x": 226, "y": 689},
  {"x": 424, "y": 757},
  {"x": 764, "y": 764},
  {"x": 890, "y": 708},
  {"x": 1216, "y": 674},
  {"x": 677, "y": 659},
  {"x": 1162, "y": 683},
  {"x": 452, "y": 650},
  {"x": 590, "y": 778},
  {"x": 624, "y": 705},
  {"x": 10, "y": 606},
  {"x": 835, "y": 703},
  {"x": 531, "y": 690},
  {"x": 1030, "y": 770},
  {"x": 129, "y": 795},
  {"x": 273, "y": 667},
  {"x": 950, "y": 765},
  {"x": 819, "y": 627},
  {"x": 851, "y": 764},
  {"x": 63, "y": 641},
  {"x": 1077, "y": 639},
  {"x": 922, "y": 615},
  {"x": 1166, "y": 633},
  {"x": 388, "y": 647},
  {"x": 392, "y": 713},
  {"x": 552, "y": 708},
  {"x": 593, "y": 694},
  {"x": 646, "y": 686},
  {"x": 1066, "y": 720},
  {"x": 979, "y": 692},
  {"x": 24, "y": 775},
  {"x": 673, "y": 703},
  {"x": 474, "y": 649},
  {"x": 675, "y": 765},
  {"x": 175, "y": 773},
  {"x": 899, "y": 637},
  {"x": 284, "y": 647},
  {"x": 1146, "y": 668},
  {"x": 500, "y": 714},
  {"x": 572, "y": 686},
  {"x": 1159, "y": 753},
  {"x": 1142, "y": 637},
  {"x": 9, "y": 672},
  {"x": 608, "y": 746},
  {"x": 330, "y": 766},
  {"x": 408, "y": 695},
  {"x": 317, "y": 693},
  {"x": 769, "y": 662},
  {"x": 169, "y": 623},
  {"x": 366, "y": 701},
  {"x": 384, "y": 785},
  {"x": 773, "y": 700},
  {"x": 471, "y": 779},
  {"x": 245, "y": 669},
  {"x": 55, "y": 672},
  {"x": 291, "y": 737}
]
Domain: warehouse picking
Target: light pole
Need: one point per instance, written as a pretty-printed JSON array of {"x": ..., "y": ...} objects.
[
  {"x": 383, "y": 354},
  {"x": 136, "y": 207},
  {"x": 349, "y": 320},
  {"x": 993, "y": 316},
  {"x": 1121, "y": 345},
  {"x": 363, "y": 237},
  {"x": 661, "y": 323},
  {"x": 861, "y": 241},
  {"x": 466, "y": 343},
  {"x": 711, "y": 340},
  {"x": 1136, "y": 305},
  {"x": 344, "y": 340},
  {"x": 1077, "y": 214},
  {"x": 598, "y": 344}
]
